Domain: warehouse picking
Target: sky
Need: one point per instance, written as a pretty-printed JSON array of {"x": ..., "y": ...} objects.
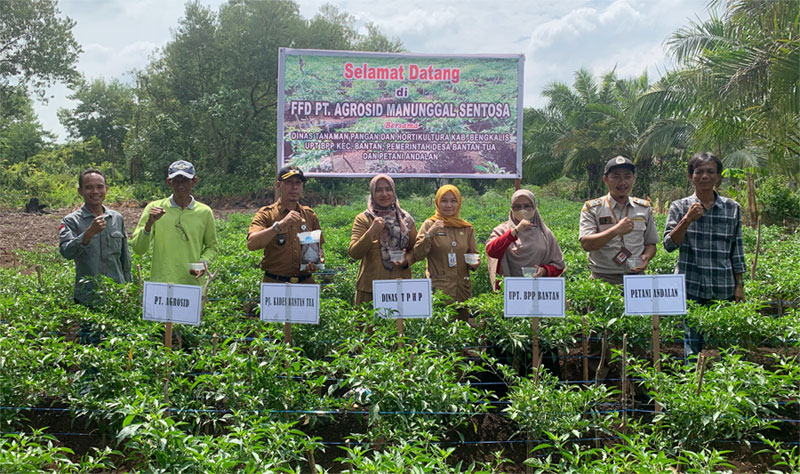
[{"x": 557, "y": 37}]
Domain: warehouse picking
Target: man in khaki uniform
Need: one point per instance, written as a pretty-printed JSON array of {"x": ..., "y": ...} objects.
[
  {"x": 617, "y": 230},
  {"x": 275, "y": 228}
]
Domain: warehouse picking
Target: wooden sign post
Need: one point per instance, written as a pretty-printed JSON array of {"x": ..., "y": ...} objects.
[
  {"x": 401, "y": 299},
  {"x": 289, "y": 303},
  {"x": 534, "y": 298},
  {"x": 655, "y": 295}
]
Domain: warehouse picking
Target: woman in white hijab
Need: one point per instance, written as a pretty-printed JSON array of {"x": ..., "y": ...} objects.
[{"x": 523, "y": 241}]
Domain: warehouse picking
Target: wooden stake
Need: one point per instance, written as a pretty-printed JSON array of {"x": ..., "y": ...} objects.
[
  {"x": 287, "y": 333},
  {"x": 517, "y": 184},
  {"x": 701, "y": 368},
  {"x": 168, "y": 336},
  {"x": 38, "y": 269},
  {"x": 602, "y": 358},
  {"x": 656, "y": 352},
  {"x": 311, "y": 461},
  {"x": 624, "y": 382},
  {"x": 400, "y": 332},
  {"x": 535, "y": 343},
  {"x": 585, "y": 344},
  {"x": 657, "y": 343},
  {"x": 757, "y": 251}
]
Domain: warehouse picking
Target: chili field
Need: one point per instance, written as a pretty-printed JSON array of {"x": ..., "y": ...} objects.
[{"x": 96, "y": 390}]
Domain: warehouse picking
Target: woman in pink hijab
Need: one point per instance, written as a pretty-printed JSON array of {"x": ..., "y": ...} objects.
[{"x": 523, "y": 241}]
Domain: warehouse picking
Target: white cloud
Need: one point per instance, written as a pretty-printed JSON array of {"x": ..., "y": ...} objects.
[{"x": 557, "y": 36}]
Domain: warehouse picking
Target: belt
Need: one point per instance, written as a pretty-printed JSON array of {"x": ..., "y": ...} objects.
[{"x": 294, "y": 279}]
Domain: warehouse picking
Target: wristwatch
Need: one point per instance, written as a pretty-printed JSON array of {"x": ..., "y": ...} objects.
[{"x": 276, "y": 228}]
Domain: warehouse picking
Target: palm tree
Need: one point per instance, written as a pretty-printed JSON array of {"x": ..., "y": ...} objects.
[{"x": 738, "y": 87}]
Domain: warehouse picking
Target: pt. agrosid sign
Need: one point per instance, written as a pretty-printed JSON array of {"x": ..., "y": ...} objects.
[
  {"x": 533, "y": 297},
  {"x": 655, "y": 294},
  {"x": 172, "y": 303},
  {"x": 288, "y": 303},
  {"x": 402, "y": 298}
]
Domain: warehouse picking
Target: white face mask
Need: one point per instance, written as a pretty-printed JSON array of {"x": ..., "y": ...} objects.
[{"x": 522, "y": 214}]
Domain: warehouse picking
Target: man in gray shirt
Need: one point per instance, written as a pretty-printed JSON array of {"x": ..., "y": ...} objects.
[{"x": 94, "y": 236}]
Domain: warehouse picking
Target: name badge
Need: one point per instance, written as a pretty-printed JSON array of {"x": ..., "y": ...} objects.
[
  {"x": 451, "y": 259},
  {"x": 605, "y": 220}
]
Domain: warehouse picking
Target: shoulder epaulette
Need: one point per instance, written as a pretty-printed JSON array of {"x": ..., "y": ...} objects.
[
  {"x": 641, "y": 202},
  {"x": 592, "y": 203}
]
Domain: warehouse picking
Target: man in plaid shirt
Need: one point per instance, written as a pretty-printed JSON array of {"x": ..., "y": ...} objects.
[{"x": 706, "y": 228}]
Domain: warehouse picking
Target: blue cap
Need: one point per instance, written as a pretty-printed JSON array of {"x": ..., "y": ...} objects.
[{"x": 181, "y": 167}]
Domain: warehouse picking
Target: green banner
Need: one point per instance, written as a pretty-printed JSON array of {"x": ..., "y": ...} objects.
[{"x": 353, "y": 114}]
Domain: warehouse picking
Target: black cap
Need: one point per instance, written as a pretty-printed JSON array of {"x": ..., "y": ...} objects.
[
  {"x": 290, "y": 170},
  {"x": 619, "y": 161}
]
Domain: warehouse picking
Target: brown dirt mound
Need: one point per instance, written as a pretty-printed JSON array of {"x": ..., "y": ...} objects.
[{"x": 29, "y": 232}]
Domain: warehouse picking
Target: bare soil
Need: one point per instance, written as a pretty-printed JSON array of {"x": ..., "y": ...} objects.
[{"x": 29, "y": 232}]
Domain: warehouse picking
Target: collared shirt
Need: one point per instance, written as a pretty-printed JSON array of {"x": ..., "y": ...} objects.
[
  {"x": 106, "y": 253},
  {"x": 282, "y": 255},
  {"x": 603, "y": 213},
  {"x": 451, "y": 280},
  {"x": 711, "y": 252},
  {"x": 179, "y": 237},
  {"x": 363, "y": 248}
]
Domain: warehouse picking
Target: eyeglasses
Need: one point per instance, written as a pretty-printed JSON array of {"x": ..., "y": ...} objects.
[
  {"x": 183, "y": 231},
  {"x": 517, "y": 207},
  {"x": 620, "y": 177}
]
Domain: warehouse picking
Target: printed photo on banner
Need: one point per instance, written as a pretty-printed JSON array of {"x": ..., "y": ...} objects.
[{"x": 353, "y": 114}]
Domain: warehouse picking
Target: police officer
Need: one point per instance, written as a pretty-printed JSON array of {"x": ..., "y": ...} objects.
[
  {"x": 617, "y": 230},
  {"x": 275, "y": 228}
]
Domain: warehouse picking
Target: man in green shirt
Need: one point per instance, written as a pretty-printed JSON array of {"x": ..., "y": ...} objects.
[
  {"x": 94, "y": 236},
  {"x": 181, "y": 229}
]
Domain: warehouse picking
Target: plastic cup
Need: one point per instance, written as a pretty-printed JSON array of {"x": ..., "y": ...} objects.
[
  {"x": 471, "y": 258},
  {"x": 634, "y": 262},
  {"x": 197, "y": 267},
  {"x": 396, "y": 256},
  {"x": 529, "y": 272}
]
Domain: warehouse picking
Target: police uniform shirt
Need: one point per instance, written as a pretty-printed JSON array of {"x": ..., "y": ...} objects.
[
  {"x": 282, "y": 254},
  {"x": 597, "y": 216}
]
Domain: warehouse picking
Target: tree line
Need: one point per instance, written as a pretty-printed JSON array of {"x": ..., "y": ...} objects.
[{"x": 211, "y": 94}]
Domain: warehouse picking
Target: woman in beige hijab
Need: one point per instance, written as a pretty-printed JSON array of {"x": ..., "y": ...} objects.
[
  {"x": 523, "y": 241},
  {"x": 383, "y": 228}
]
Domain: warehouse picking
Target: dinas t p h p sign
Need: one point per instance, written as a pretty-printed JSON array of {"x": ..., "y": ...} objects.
[
  {"x": 533, "y": 297},
  {"x": 655, "y": 294},
  {"x": 170, "y": 303},
  {"x": 402, "y": 298},
  {"x": 288, "y": 303}
]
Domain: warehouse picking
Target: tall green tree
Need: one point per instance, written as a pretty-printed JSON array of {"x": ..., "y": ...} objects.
[
  {"x": 21, "y": 134},
  {"x": 211, "y": 95},
  {"x": 36, "y": 45},
  {"x": 594, "y": 121},
  {"x": 104, "y": 110}
]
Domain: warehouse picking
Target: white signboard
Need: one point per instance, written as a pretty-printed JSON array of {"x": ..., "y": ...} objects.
[
  {"x": 533, "y": 297},
  {"x": 288, "y": 303},
  {"x": 171, "y": 303},
  {"x": 655, "y": 294},
  {"x": 403, "y": 298}
]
